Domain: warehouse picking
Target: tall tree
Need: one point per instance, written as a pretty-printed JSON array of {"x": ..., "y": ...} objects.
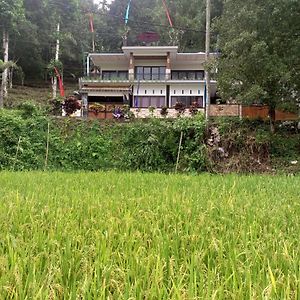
[
  {"x": 10, "y": 13},
  {"x": 260, "y": 46}
]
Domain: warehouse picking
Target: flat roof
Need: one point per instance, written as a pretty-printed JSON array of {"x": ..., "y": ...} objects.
[{"x": 142, "y": 50}]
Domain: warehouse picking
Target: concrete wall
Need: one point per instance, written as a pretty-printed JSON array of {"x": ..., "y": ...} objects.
[{"x": 172, "y": 113}]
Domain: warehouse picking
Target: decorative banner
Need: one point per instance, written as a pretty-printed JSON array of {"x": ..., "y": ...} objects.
[
  {"x": 61, "y": 86},
  {"x": 167, "y": 13},
  {"x": 148, "y": 37},
  {"x": 91, "y": 23},
  {"x": 127, "y": 12}
]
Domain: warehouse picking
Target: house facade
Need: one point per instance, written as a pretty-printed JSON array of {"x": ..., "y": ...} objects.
[{"x": 147, "y": 79}]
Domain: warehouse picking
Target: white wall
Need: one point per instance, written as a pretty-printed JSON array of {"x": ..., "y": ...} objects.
[
  {"x": 150, "y": 63},
  {"x": 147, "y": 90},
  {"x": 176, "y": 89}
]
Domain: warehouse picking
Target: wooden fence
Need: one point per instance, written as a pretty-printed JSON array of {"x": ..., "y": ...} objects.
[{"x": 251, "y": 112}]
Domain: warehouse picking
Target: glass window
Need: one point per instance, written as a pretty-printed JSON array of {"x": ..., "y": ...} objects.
[
  {"x": 113, "y": 75},
  {"x": 191, "y": 75},
  {"x": 147, "y": 73},
  {"x": 199, "y": 75},
  {"x": 155, "y": 73},
  {"x": 187, "y": 100},
  {"x": 182, "y": 76},
  {"x": 123, "y": 75},
  {"x": 139, "y": 73},
  {"x": 150, "y": 73},
  {"x": 105, "y": 75},
  {"x": 175, "y": 75},
  {"x": 162, "y": 72}
]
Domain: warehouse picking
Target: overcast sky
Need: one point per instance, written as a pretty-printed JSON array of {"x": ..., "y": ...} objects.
[{"x": 108, "y": 1}]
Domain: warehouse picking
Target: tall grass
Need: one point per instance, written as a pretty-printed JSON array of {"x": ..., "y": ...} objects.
[{"x": 149, "y": 236}]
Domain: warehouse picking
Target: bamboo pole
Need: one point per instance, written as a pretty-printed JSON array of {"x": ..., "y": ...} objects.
[
  {"x": 54, "y": 80},
  {"x": 207, "y": 54},
  {"x": 179, "y": 149},
  {"x": 47, "y": 147}
]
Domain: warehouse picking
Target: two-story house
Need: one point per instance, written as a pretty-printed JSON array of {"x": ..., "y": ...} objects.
[{"x": 144, "y": 77}]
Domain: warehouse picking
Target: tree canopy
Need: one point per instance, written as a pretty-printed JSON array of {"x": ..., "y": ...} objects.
[{"x": 260, "y": 46}]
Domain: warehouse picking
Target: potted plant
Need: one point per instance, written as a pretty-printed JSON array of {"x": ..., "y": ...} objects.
[
  {"x": 151, "y": 110},
  {"x": 164, "y": 111},
  {"x": 97, "y": 110},
  {"x": 180, "y": 108},
  {"x": 71, "y": 105},
  {"x": 193, "y": 108}
]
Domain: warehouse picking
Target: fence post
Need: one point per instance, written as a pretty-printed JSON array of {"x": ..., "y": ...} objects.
[
  {"x": 179, "y": 149},
  {"x": 47, "y": 147}
]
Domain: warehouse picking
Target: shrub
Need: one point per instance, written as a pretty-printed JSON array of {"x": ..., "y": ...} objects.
[{"x": 71, "y": 105}]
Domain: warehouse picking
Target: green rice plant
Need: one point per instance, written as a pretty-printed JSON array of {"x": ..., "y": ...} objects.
[{"x": 113, "y": 235}]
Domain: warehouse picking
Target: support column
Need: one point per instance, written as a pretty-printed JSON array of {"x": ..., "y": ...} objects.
[
  {"x": 168, "y": 67},
  {"x": 84, "y": 99},
  {"x": 131, "y": 67},
  {"x": 88, "y": 66}
]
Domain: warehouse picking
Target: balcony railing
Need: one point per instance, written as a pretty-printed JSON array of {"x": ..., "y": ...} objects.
[{"x": 98, "y": 78}]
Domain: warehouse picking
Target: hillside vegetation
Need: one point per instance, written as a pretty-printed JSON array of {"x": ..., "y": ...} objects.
[{"x": 148, "y": 145}]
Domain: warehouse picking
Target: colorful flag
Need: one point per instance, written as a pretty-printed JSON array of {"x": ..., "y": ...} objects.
[
  {"x": 60, "y": 83},
  {"x": 167, "y": 13},
  {"x": 127, "y": 12},
  {"x": 91, "y": 23}
]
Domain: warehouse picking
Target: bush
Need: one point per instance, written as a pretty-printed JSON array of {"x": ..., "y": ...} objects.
[
  {"x": 150, "y": 145},
  {"x": 71, "y": 105}
]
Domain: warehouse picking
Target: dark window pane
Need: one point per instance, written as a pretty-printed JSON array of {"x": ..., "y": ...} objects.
[
  {"x": 113, "y": 75},
  {"x": 162, "y": 72},
  {"x": 105, "y": 75},
  {"x": 155, "y": 73},
  {"x": 123, "y": 75},
  {"x": 191, "y": 75},
  {"x": 147, "y": 73},
  {"x": 182, "y": 76},
  {"x": 139, "y": 73},
  {"x": 174, "y": 75},
  {"x": 199, "y": 75}
]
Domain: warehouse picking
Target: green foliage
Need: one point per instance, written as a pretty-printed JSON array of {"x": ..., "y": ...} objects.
[
  {"x": 11, "y": 12},
  {"x": 29, "y": 109},
  {"x": 146, "y": 145},
  {"x": 259, "y": 55},
  {"x": 9, "y": 64},
  {"x": 54, "y": 64}
]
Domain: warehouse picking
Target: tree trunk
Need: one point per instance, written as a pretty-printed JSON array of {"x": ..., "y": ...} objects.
[
  {"x": 207, "y": 55},
  {"x": 272, "y": 118},
  {"x": 54, "y": 81},
  {"x": 3, "y": 91},
  {"x": 10, "y": 77}
]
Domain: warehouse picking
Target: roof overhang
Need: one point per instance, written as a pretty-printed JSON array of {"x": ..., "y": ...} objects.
[
  {"x": 100, "y": 58},
  {"x": 150, "y": 50}
]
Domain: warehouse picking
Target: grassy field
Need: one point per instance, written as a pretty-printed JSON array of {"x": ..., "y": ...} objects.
[{"x": 149, "y": 236}]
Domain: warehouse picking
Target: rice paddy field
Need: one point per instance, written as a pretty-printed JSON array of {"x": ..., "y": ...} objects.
[{"x": 118, "y": 235}]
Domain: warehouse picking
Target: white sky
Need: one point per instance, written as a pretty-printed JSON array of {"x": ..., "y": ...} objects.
[{"x": 108, "y": 1}]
